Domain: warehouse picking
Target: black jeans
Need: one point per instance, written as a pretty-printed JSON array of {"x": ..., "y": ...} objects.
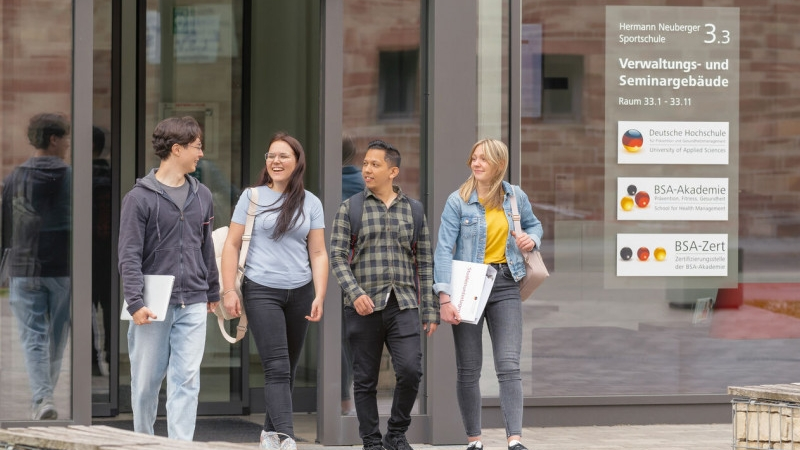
[
  {"x": 276, "y": 318},
  {"x": 400, "y": 331}
]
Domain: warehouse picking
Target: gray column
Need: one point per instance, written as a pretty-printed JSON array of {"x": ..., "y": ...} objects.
[
  {"x": 452, "y": 125},
  {"x": 330, "y": 426}
]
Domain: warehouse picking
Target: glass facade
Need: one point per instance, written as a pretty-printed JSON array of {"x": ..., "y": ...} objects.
[
  {"x": 381, "y": 100},
  {"x": 620, "y": 320},
  {"x": 592, "y": 329},
  {"x": 105, "y": 365},
  {"x": 36, "y": 168}
]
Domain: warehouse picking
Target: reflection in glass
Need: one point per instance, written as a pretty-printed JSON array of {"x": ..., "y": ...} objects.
[
  {"x": 36, "y": 248},
  {"x": 381, "y": 101},
  {"x": 103, "y": 326},
  {"x": 36, "y": 78},
  {"x": 352, "y": 184},
  {"x": 101, "y": 266},
  {"x": 582, "y": 339}
]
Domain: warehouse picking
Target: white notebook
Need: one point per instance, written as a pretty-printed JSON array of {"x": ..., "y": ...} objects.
[{"x": 156, "y": 295}]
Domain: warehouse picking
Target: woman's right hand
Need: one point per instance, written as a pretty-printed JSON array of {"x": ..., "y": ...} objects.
[
  {"x": 232, "y": 304},
  {"x": 447, "y": 310}
]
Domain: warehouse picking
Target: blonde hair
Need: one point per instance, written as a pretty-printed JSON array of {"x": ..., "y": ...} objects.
[{"x": 496, "y": 153}]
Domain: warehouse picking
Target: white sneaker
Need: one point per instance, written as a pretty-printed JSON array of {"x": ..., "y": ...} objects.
[
  {"x": 475, "y": 445},
  {"x": 270, "y": 440},
  {"x": 288, "y": 444},
  {"x": 45, "y": 410}
]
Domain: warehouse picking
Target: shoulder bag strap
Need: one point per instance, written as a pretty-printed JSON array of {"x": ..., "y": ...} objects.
[
  {"x": 241, "y": 327},
  {"x": 515, "y": 211}
]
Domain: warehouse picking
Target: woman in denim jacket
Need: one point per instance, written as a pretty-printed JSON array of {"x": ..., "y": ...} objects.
[{"x": 477, "y": 227}]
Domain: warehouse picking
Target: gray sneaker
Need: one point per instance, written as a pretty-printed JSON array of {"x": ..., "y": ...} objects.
[
  {"x": 44, "y": 410},
  {"x": 288, "y": 444},
  {"x": 269, "y": 440}
]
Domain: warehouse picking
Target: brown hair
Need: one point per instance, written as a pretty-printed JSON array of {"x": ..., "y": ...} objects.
[
  {"x": 44, "y": 126},
  {"x": 175, "y": 130}
]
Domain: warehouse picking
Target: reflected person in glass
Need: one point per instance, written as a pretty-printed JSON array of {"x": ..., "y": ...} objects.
[
  {"x": 36, "y": 239},
  {"x": 101, "y": 256},
  {"x": 477, "y": 226},
  {"x": 352, "y": 183},
  {"x": 285, "y": 278}
]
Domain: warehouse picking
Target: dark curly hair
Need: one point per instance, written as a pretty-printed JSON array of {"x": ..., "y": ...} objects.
[{"x": 175, "y": 130}]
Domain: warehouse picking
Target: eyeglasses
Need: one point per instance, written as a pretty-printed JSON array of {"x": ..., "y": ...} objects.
[
  {"x": 196, "y": 147},
  {"x": 282, "y": 157}
]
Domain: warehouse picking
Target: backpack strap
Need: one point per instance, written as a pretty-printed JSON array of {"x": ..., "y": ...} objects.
[
  {"x": 355, "y": 210},
  {"x": 418, "y": 215}
]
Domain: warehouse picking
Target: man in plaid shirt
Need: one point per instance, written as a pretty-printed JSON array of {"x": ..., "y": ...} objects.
[{"x": 382, "y": 304}]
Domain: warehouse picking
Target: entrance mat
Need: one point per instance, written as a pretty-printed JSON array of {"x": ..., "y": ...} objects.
[{"x": 208, "y": 429}]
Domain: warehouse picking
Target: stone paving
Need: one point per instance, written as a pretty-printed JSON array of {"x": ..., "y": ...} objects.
[{"x": 638, "y": 437}]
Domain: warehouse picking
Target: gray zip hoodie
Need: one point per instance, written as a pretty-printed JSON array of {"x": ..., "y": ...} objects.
[{"x": 157, "y": 238}]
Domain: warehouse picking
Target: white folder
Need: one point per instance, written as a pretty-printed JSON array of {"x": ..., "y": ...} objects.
[
  {"x": 156, "y": 295},
  {"x": 470, "y": 285}
]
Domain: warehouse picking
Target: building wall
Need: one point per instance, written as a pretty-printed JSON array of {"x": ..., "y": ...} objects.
[{"x": 372, "y": 28}]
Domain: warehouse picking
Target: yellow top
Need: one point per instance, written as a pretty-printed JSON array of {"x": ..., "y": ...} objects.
[{"x": 496, "y": 235}]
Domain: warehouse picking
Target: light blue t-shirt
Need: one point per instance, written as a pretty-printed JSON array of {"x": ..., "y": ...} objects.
[{"x": 282, "y": 263}]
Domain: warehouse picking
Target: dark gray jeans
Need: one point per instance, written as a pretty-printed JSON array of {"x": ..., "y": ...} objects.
[
  {"x": 276, "y": 318},
  {"x": 400, "y": 330},
  {"x": 503, "y": 316}
]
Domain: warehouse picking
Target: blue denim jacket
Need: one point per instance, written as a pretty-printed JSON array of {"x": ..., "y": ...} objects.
[{"x": 462, "y": 235}]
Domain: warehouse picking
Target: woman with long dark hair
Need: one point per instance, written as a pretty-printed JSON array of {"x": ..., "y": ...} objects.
[{"x": 286, "y": 276}]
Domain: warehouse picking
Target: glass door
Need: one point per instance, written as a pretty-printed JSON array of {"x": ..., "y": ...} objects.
[
  {"x": 105, "y": 306},
  {"x": 192, "y": 66}
]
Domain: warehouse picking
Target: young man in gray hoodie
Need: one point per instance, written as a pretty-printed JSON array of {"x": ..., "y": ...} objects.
[{"x": 165, "y": 229}]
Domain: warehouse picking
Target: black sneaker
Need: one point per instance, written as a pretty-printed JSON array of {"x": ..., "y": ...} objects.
[
  {"x": 373, "y": 447},
  {"x": 396, "y": 442},
  {"x": 517, "y": 446}
]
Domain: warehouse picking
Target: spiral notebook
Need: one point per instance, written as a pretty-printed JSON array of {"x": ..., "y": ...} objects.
[
  {"x": 471, "y": 284},
  {"x": 156, "y": 295}
]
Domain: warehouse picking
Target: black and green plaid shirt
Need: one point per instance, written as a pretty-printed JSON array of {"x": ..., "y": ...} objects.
[{"x": 383, "y": 258}]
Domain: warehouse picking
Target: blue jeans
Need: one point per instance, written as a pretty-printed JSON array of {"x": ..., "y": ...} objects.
[
  {"x": 276, "y": 318},
  {"x": 503, "y": 316},
  {"x": 172, "y": 348},
  {"x": 399, "y": 329},
  {"x": 42, "y": 308}
]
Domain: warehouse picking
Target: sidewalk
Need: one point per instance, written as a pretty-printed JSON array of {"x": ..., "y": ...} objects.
[
  {"x": 625, "y": 437},
  {"x": 633, "y": 437}
]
